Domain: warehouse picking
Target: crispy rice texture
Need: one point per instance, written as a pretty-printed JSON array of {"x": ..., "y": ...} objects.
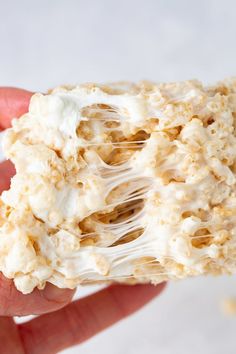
[{"x": 123, "y": 182}]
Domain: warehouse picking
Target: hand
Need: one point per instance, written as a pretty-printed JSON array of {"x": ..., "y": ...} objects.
[{"x": 68, "y": 325}]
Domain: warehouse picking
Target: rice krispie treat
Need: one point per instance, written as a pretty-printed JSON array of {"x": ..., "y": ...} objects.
[{"x": 121, "y": 182}]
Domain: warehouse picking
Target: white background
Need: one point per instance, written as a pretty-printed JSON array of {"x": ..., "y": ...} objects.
[{"x": 45, "y": 43}]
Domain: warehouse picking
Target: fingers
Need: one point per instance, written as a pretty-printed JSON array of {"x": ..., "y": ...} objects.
[
  {"x": 7, "y": 171},
  {"x": 9, "y": 337},
  {"x": 14, "y": 303},
  {"x": 84, "y": 318},
  {"x": 13, "y": 103}
]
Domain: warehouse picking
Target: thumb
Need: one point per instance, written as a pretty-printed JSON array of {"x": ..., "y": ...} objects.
[
  {"x": 14, "y": 303},
  {"x": 13, "y": 103}
]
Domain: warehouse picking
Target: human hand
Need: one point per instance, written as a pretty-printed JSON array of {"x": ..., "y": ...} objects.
[{"x": 68, "y": 325}]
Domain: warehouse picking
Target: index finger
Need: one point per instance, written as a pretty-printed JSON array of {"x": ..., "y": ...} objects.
[{"x": 84, "y": 318}]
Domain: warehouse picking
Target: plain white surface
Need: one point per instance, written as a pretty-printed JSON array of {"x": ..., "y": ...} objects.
[{"x": 46, "y": 43}]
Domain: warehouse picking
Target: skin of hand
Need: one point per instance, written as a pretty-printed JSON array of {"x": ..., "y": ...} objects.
[{"x": 61, "y": 323}]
